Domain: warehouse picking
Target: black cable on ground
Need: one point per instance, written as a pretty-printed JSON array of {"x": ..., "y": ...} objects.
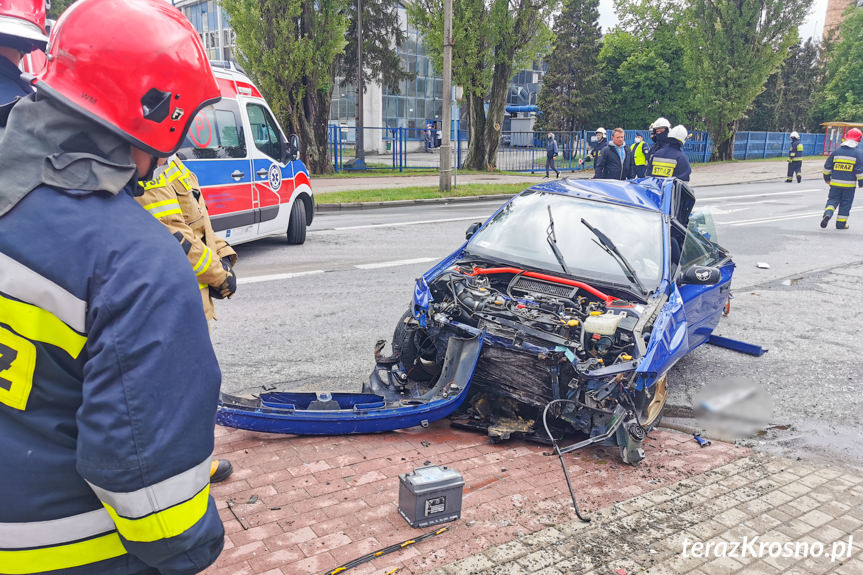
[
  {"x": 375, "y": 554},
  {"x": 560, "y": 456}
]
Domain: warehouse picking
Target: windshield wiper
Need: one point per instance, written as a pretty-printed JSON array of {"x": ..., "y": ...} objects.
[
  {"x": 551, "y": 238},
  {"x": 608, "y": 246}
]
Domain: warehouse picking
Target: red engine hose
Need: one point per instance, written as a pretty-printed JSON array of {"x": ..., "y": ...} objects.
[{"x": 486, "y": 271}]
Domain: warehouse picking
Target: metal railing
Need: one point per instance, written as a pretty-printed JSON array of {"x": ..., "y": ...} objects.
[{"x": 410, "y": 149}]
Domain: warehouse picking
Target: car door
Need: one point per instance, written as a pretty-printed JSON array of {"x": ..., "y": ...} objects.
[
  {"x": 273, "y": 180},
  {"x": 215, "y": 151},
  {"x": 703, "y": 305}
]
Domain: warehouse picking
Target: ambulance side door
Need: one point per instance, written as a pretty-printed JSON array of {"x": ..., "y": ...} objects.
[
  {"x": 272, "y": 178},
  {"x": 216, "y": 150}
]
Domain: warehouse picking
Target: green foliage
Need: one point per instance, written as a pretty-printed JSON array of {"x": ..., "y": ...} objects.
[
  {"x": 382, "y": 33},
  {"x": 572, "y": 92},
  {"x": 790, "y": 94},
  {"x": 731, "y": 48},
  {"x": 842, "y": 98},
  {"x": 290, "y": 47},
  {"x": 58, "y": 7}
]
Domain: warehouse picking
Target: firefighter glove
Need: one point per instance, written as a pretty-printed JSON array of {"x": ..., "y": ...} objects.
[
  {"x": 227, "y": 287},
  {"x": 826, "y": 178}
]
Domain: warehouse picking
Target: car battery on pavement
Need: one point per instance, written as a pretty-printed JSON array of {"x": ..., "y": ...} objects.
[{"x": 430, "y": 495}]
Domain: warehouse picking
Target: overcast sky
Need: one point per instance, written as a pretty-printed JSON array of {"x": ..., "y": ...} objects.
[{"x": 813, "y": 24}]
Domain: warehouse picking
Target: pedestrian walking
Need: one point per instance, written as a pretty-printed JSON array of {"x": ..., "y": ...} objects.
[
  {"x": 795, "y": 158},
  {"x": 843, "y": 170},
  {"x": 639, "y": 156},
  {"x": 615, "y": 161},
  {"x": 110, "y": 382},
  {"x": 427, "y": 135},
  {"x": 22, "y": 30},
  {"x": 551, "y": 152},
  {"x": 669, "y": 160}
]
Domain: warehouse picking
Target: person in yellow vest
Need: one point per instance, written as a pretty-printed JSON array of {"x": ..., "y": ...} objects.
[
  {"x": 639, "y": 155},
  {"x": 174, "y": 198}
]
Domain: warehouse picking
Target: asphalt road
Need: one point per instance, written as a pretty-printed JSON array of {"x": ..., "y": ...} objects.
[{"x": 307, "y": 317}]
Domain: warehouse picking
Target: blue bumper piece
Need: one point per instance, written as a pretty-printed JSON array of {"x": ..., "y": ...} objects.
[
  {"x": 323, "y": 413},
  {"x": 736, "y": 345}
]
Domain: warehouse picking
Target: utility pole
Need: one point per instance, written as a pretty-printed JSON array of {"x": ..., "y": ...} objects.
[
  {"x": 446, "y": 143},
  {"x": 361, "y": 153}
]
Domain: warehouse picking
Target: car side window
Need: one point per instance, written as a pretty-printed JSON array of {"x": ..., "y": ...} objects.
[
  {"x": 216, "y": 132},
  {"x": 265, "y": 132},
  {"x": 698, "y": 249}
]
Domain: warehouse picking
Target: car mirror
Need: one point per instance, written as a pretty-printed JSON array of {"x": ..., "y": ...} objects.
[
  {"x": 472, "y": 229},
  {"x": 290, "y": 149},
  {"x": 701, "y": 275}
]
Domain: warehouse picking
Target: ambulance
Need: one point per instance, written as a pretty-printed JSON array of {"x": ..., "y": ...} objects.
[{"x": 254, "y": 183}]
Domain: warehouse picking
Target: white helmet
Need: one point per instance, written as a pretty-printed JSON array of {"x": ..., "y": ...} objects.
[
  {"x": 795, "y": 135},
  {"x": 661, "y": 123},
  {"x": 600, "y": 131},
  {"x": 678, "y": 133}
]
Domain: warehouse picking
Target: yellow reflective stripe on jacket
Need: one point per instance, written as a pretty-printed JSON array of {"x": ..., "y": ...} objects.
[
  {"x": 663, "y": 167},
  {"x": 178, "y": 171},
  {"x": 164, "y": 208},
  {"x": 204, "y": 261},
  {"x": 842, "y": 183},
  {"x": 59, "y": 557},
  {"x": 36, "y": 324},
  {"x": 163, "y": 524}
]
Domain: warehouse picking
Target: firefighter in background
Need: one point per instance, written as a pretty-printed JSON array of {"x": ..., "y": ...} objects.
[
  {"x": 658, "y": 135},
  {"x": 843, "y": 170},
  {"x": 599, "y": 143},
  {"x": 669, "y": 160},
  {"x": 639, "y": 156},
  {"x": 22, "y": 30},
  {"x": 110, "y": 382},
  {"x": 795, "y": 158},
  {"x": 174, "y": 198}
]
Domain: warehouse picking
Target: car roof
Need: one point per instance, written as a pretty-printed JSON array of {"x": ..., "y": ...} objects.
[{"x": 647, "y": 193}]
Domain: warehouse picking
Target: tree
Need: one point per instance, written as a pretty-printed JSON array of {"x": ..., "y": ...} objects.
[
  {"x": 290, "y": 48},
  {"x": 731, "y": 48},
  {"x": 491, "y": 41},
  {"x": 571, "y": 92},
  {"x": 382, "y": 34},
  {"x": 842, "y": 97},
  {"x": 789, "y": 96},
  {"x": 642, "y": 65},
  {"x": 58, "y": 7}
]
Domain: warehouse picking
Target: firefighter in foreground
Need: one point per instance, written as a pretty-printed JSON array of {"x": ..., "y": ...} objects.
[
  {"x": 22, "y": 30},
  {"x": 174, "y": 198},
  {"x": 110, "y": 383},
  {"x": 669, "y": 160},
  {"x": 795, "y": 158},
  {"x": 843, "y": 170}
]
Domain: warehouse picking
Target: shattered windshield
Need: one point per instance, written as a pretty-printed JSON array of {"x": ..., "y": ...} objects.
[{"x": 519, "y": 233}]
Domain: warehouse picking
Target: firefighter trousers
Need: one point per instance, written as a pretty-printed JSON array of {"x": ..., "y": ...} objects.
[
  {"x": 839, "y": 200},
  {"x": 795, "y": 167}
]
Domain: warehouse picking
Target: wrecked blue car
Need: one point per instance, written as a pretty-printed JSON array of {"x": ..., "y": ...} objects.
[
  {"x": 584, "y": 291},
  {"x": 560, "y": 316}
]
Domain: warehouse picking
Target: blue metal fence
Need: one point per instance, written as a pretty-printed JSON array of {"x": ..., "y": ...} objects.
[{"x": 407, "y": 149}]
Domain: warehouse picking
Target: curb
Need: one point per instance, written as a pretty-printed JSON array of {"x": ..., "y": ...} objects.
[{"x": 350, "y": 206}]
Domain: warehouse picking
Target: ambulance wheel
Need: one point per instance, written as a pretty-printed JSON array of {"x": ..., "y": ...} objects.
[{"x": 297, "y": 223}]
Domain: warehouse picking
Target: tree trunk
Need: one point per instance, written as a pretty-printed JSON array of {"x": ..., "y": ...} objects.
[
  {"x": 725, "y": 147},
  {"x": 475, "y": 159},
  {"x": 496, "y": 111}
]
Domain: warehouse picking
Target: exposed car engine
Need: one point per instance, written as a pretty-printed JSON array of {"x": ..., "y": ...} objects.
[{"x": 546, "y": 338}]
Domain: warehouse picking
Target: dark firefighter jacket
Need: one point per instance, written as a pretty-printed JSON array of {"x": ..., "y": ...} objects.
[
  {"x": 844, "y": 167},
  {"x": 795, "y": 153},
  {"x": 610, "y": 167},
  {"x": 669, "y": 161},
  {"x": 11, "y": 84},
  {"x": 110, "y": 381}
]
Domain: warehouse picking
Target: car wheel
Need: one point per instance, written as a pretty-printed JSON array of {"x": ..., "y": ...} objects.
[
  {"x": 652, "y": 404},
  {"x": 418, "y": 349},
  {"x": 297, "y": 223}
]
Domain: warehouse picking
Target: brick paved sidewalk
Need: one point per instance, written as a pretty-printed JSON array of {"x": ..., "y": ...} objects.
[
  {"x": 774, "y": 499},
  {"x": 309, "y": 504}
]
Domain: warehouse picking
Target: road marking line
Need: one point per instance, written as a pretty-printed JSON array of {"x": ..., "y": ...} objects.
[
  {"x": 394, "y": 263},
  {"x": 412, "y": 223},
  {"x": 778, "y": 218},
  {"x": 274, "y": 277},
  {"x": 748, "y": 196}
]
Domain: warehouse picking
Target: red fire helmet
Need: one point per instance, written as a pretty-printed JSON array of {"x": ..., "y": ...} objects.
[
  {"x": 136, "y": 67},
  {"x": 22, "y": 24},
  {"x": 854, "y": 134}
]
